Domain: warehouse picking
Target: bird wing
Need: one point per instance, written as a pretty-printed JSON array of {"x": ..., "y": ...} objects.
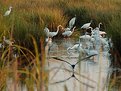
[
  {"x": 66, "y": 33},
  {"x": 72, "y": 22},
  {"x": 67, "y": 29},
  {"x": 86, "y": 25},
  {"x": 7, "y": 13},
  {"x": 46, "y": 30},
  {"x": 51, "y": 34}
]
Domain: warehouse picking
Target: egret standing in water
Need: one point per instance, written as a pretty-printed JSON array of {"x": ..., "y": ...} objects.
[
  {"x": 87, "y": 25},
  {"x": 68, "y": 33},
  {"x": 7, "y": 41},
  {"x": 7, "y": 13},
  {"x": 51, "y": 34}
]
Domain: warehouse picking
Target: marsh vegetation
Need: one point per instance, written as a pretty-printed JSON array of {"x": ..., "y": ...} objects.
[{"x": 25, "y": 60}]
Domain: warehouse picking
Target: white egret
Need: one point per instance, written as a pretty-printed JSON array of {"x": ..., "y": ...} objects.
[
  {"x": 85, "y": 37},
  {"x": 68, "y": 33},
  {"x": 8, "y": 11},
  {"x": 77, "y": 47},
  {"x": 67, "y": 29},
  {"x": 87, "y": 25},
  {"x": 99, "y": 25},
  {"x": 102, "y": 33},
  {"x": 51, "y": 34},
  {"x": 7, "y": 41},
  {"x": 91, "y": 52},
  {"x": 72, "y": 22}
]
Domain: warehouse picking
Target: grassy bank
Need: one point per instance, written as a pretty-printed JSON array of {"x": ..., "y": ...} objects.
[{"x": 29, "y": 17}]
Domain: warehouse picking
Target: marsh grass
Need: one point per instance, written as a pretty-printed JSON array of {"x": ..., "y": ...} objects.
[{"x": 29, "y": 17}]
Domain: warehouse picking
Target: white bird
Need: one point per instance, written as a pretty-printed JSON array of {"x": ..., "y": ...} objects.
[
  {"x": 99, "y": 25},
  {"x": 68, "y": 33},
  {"x": 72, "y": 22},
  {"x": 48, "y": 40},
  {"x": 8, "y": 11},
  {"x": 51, "y": 34},
  {"x": 102, "y": 33},
  {"x": 90, "y": 52},
  {"x": 67, "y": 29},
  {"x": 87, "y": 25},
  {"x": 85, "y": 37},
  {"x": 7, "y": 41},
  {"x": 77, "y": 47}
]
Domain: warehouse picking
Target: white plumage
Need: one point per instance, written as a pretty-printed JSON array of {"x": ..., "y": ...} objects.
[
  {"x": 51, "y": 34},
  {"x": 77, "y": 47},
  {"x": 87, "y": 25},
  {"x": 102, "y": 33},
  {"x": 8, "y": 11},
  {"x": 91, "y": 52},
  {"x": 85, "y": 37},
  {"x": 72, "y": 22},
  {"x": 68, "y": 33},
  {"x": 7, "y": 41}
]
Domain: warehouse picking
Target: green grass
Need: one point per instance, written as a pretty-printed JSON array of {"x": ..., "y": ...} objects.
[{"x": 29, "y": 17}]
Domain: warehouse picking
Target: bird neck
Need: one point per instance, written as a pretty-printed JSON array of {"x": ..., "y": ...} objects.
[
  {"x": 73, "y": 29},
  {"x": 99, "y": 25},
  {"x": 58, "y": 28},
  {"x": 9, "y": 9}
]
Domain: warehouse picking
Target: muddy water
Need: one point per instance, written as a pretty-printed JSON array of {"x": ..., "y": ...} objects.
[{"x": 87, "y": 75}]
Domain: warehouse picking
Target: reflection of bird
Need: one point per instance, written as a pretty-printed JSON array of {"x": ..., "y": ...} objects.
[
  {"x": 72, "y": 22},
  {"x": 51, "y": 34},
  {"x": 91, "y": 52},
  {"x": 68, "y": 33},
  {"x": 87, "y": 25},
  {"x": 8, "y": 11},
  {"x": 77, "y": 47}
]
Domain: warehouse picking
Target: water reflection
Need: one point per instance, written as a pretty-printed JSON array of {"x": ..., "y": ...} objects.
[{"x": 87, "y": 75}]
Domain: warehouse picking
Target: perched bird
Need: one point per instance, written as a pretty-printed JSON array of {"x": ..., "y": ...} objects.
[
  {"x": 72, "y": 22},
  {"x": 87, "y": 25},
  {"x": 8, "y": 11},
  {"x": 51, "y": 34},
  {"x": 68, "y": 33}
]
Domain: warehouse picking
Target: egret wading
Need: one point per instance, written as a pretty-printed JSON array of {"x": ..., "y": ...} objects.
[
  {"x": 78, "y": 47},
  {"x": 51, "y": 34},
  {"x": 87, "y": 25},
  {"x": 68, "y": 33},
  {"x": 7, "y": 41},
  {"x": 7, "y": 13}
]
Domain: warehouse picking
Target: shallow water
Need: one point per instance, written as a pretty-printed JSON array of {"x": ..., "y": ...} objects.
[{"x": 87, "y": 75}]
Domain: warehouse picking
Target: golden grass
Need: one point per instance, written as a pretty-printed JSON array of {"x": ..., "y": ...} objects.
[{"x": 50, "y": 14}]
